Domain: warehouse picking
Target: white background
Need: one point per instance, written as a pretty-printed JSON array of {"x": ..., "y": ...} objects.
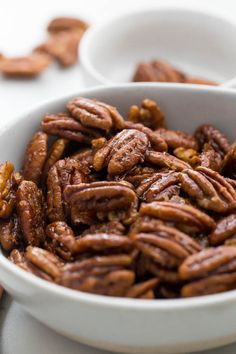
[{"x": 22, "y": 27}]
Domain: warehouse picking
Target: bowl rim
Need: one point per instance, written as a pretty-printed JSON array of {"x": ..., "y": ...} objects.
[
  {"x": 87, "y": 40},
  {"x": 102, "y": 300}
]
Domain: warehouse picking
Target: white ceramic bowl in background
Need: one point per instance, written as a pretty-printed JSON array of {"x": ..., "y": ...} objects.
[
  {"x": 118, "y": 324},
  {"x": 201, "y": 44}
]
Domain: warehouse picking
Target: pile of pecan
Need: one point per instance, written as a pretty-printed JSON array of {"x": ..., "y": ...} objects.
[
  {"x": 162, "y": 71},
  {"x": 123, "y": 207},
  {"x": 64, "y": 35}
]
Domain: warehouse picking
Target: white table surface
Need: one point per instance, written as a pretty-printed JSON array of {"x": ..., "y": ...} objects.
[{"x": 22, "y": 26}]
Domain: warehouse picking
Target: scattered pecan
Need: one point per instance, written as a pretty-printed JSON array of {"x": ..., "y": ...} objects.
[
  {"x": 177, "y": 138},
  {"x": 210, "y": 158},
  {"x": 229, "y": 162},
  {"x": 122, "y": 152},
  {"x": 10, "y": 233},
  {"x": 163, "y": 159},
  {"x": 225, "y": 229},
  {"x": 35, "y": 157},
  {"x": 7, "y": 192},
  {"x": 66, "y": 23}
]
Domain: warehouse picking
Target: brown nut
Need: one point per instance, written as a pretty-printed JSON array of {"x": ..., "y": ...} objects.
[
  {"x": 110, "y": 227},
  {"x": 85, "y": 159},
  {"x": 122, "y": 152},
  {"x": 199, "y": 81},
  {"x": 229, "y": 162},
  {"x": 138, "y": 174},
  {"x": 7, "y": 192},
  {"x": 95, "y": 114},
  {"x": 177, "y": 138},
  {"x": 35, "y": 157},
  {"x": 66, "y": 23},
  {"x": 225, "y": 229},
  {"x": 143, "y": 290},
  {"x": 210, "y": 158},
  {"x": 30, "y": 210},
  {"x": 10, "y": 233},
  {"x": 163, "y": 159}
]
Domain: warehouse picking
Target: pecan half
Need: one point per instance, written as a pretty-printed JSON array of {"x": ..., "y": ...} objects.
[
  {"x": 110, "y": 227},
  {"x": 10, "y": 233},
  {"x": 177, "y": 138},
  {"x": 122, "y": 152},
  {"x": 56, "y": 153},
  {"x": 187, "y": 155},
  {"x": 7, "y": 192},
  {"x": 143, "y": 290},
  {"x": 210, "y": 158},
  {"x": 30, "y": 210},
  {"x": 138, "y": 174},
  {"x": 229, "y": 162},
  {"x": 66, "y": 23},
  {"x": 149, "y": 114},
  {"x": 95, "y": 114},
  {"x": 35, "y": 157},
  {"x": 163, "y": 159},
  {"x": 225, "y": 229}
]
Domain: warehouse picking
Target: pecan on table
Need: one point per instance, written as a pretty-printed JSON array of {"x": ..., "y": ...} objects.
[
  {"x": 177, "y": 138},
  {"x": 122, "y": 152},
  {"x": 35, "y": 157},
  {"x": 66, "y": 23},
  {"x": 206, "y": 133},
  {"x": 210, "y": 158},
  {"x": 163, "y": 159},
  {"x": 95, "y": 114},
  {"x": 189, "y": 156},
  {"x": 112, "y": 200},
  {"x": 149, "y": 114},
  {"x": 64, "y": 126},
  {"x": 10, "y": 233},
  {"x": 30, "y": 209},
  {"x": 225, "y": 230},
  {"x": 62, "y": 173},
  {"x": 229, "y": 162},
  {"x": 7, "y": 189}
]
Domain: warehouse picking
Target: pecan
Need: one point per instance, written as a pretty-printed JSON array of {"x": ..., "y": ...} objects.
[
  {"x": 111, "y": 227},
  {"x": 35, "y": 157},
  {"x": 30, "y": 210},
  {"x": 10, "y": 233},
  {"x": 165, "y": 275},
  {"x": 225, "y": 229},
  {"x": 62, "y": 173},
  {"x": 137, "y": 174},
  {"x": 95, "y": 114},
  {"x": 177, "y": 138},
  {"x": 149, "y": 114},
  {"x": 7, "y": 193},
  {"x": 56, "y": 152},
  {"x": 229, "y": 162},
  {"x": 199, "y": 81},
  {"x": 188, "y": 155},
  {"x": 112, "y": 199},
  {"x": 210, "y": 158},
  {"x": 163, "y": 159},
  {"x": 122, "y": 152},
  {"x": 178, "y": 214},
  {"x": 206, "y": 133},
  {"x": 29, "y": 66},
  {"x": 67, "y": 127},
  {"x": 66, "y": 23},
  {"x": 143, "y": 290},
  {"x": 17, "y": 256}
]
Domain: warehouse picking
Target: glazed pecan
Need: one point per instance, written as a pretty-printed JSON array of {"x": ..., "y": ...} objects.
[
  {"x": 139, "y": 174},
  {"x": 206, "y": 133},
  {"x": 10, "y": 233},
  {"x": 122, "y": 152},
  {"x": 188, "y": 155},
  {"x": 177, "y": 138},
  {"x": 163, "y": 159},
  {"x": 110, "y": 227},
  {"x": 115, "y": 200},
  {"x": 17, "y": 256},
  {"x": 225, "y": 229},
  {"x": 62, "y": 173},
  {"x": 179, "y": 214},
  {"x": 199, "y": 81},
  {"x": 229, "y": 162},
  {"x": 95, "y": 114},
  {"x": 7, "y": 192},
  {"x": 165, "y": 275},
  {"x": 30, "y": 210},
  {"x": 210, "y": 158},
  {"x": 66, "y": 23},
  {"x": 56, "y": 153},
  {"x": 143, "y": 290},
  {"x": 149, "y": 114},
  {"x": 85, "y": 159},
  {"x": 67, "y": 127},
  {"x": 35, "y": 157}
]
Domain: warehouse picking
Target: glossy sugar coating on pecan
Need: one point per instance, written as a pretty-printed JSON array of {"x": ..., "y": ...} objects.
[
  {"x": 10, "y": 233},
  {"x": 229, "y": 162},
  {"x": 149, "y": 114},
  {"x": 209, "y": 189},
  {"x": 165, "y": 275},
  {"x": 35, "y": 157},
  {"x": 7, "y": 192},
  {"x": 225, "y": 229},
  {"x": 210, "y": 158},
  {"x": 66, "y": 23},
  {"x": 64, "y": 126},
  {"x": 55, "y": 153},
  {"x": 95, "y": 114},
  {"x": 143, "y": 290},
  {"x": 138, "y": 174},
  {"x": 187, "y": 155},
  {"x": 122, "y": 152},
  {"x": 30, "y": 209},
  {"x": 85, "y": 159},
  {"x": 209, "y": 261},
  {"x": 206, "y": 133},
  {"x": 177, "y": 138},
  {"x": 179, "y": 214},
  {"x": 62, "y": 237},
  {"x": 62, "y": 173},
  {"x": 110, "y": 227},
  {"x": 163, "y": 159},
  {"x": 156, "y": 141}
]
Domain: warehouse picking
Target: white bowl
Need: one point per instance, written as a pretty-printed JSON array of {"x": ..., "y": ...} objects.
[
  {"x": 118, "y": 324},
  {"x": 201, "y": 44}
]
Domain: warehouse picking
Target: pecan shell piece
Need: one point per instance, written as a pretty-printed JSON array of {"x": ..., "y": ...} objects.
[
  {"x": 95, "y": 114},
  {"x": 177, "y": 138},
  {"x": 163, "y": 159},
  {"x": 35, "y": 157},
  {"x": 225, "y": 229},
  {"x": 229, "y": 162},
  {"x": 10, "y": 233},
  {"x": 122, "y": 152},
  {"x": 7, "y": 192}
]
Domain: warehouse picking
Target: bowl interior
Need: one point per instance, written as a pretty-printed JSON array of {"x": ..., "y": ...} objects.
[{"x": 196, "y": 42}]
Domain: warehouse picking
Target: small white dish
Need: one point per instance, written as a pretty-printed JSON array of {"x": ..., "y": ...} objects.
[
  {"x": 199, "y": 43},
  {"x": 120, "y": 324}
]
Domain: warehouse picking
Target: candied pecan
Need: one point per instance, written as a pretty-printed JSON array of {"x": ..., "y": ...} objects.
[
  {"x": 179, "y": 214},
  {"x": 62, "y": 173},
  {"x": 199, "y": 81},
  {"x": 85, "y": 159},
  {"x": 113, "y": 199},
  {"x": 163, "y": 159},
  {"x": 95, "y": 114},
  {"x": 225, "y": 229},
  {"x": 137, "y": 174},
  {"x": 66, "y": 23},
  {"x": 229, "y": 162},
  {"x": 188, "y": 155},
  {"x": 67, "y": 127},
  {"x": 122, "y": 152},
  {"x": 165, "y": 275},
  {"x": 111, "y": 227},
  {"x": 10, "y": 233},
  {"x": 30, "y": 210},
  {"x": 206, "y": 133},
  {"x": 156, "y": 141},
  {"x": 210, "y": 158},
  {"x": 17, "y": 256},
  {"x": 35, "y": 157},
  {"x": 7, "y": 192},
  {"x": 143, "y": 290},
  {"x": 29, "y": 66},
  {"x": 177, "y": 138},
  {"x": 56, "y": 152},
  {"x": 149, "y": 114}
]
